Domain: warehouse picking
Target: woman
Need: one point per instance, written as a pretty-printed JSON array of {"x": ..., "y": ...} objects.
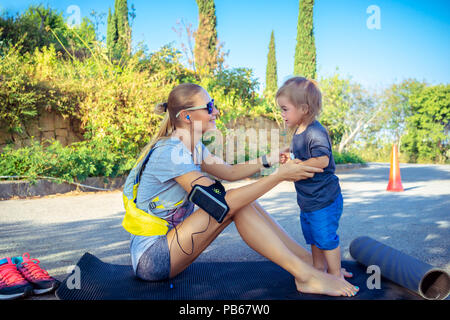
[{"x": 165, "y": 246}]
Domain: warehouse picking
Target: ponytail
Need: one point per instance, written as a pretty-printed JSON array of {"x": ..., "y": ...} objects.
[
  {"x": 179, "y": 98},
  {"x": 165, "y": 129}
]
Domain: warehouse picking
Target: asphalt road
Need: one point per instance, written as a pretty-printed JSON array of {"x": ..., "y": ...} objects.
[{"x": 58, "y": 230}]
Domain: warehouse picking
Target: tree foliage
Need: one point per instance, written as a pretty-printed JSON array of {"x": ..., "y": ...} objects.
[
  {"x": 305, "y": 50},
  {"x": 118, "y": 34},
  {"x": 271, "y": 68},
  {"x": 348, "y": 110},
  {"x": 397, "y": 98},
  {"x": 427, "y": 127},
  {"x": 111, "y": 32},
  {"x": 39, "y": 26},
  {"x": 206, "y": 49}
]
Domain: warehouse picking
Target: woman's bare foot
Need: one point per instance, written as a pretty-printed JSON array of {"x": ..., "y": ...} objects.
[{"x": 323, "y": 283}]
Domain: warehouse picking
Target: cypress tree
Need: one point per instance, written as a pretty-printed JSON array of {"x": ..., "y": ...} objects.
[
  {"x": 118, "y": 32},
  {"x": 305, "y": 50},
  {"x": 271, "y": 68},
  {"x": 111, "y": 32},
  {"x": 205, "y": 49},
  {"x": 123, "y": 26}
]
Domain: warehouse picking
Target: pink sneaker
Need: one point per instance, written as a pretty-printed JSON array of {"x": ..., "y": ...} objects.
[
  {"x": 12, "y": 284},
  {"x": 38, "y": 277}
]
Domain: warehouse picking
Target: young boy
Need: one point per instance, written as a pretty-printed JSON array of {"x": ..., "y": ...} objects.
[{"x": 319, "y": 198}]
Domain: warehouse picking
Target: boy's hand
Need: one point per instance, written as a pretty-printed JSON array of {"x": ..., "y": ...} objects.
[
  {"x": 280, "y": 157},
  {"x": 284, "y": 157}
]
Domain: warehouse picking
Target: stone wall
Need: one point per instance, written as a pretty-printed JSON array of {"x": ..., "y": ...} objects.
[
  {"x": 261, "y": 123},
  {"x": 250, "y": 136},
  {"x": 49, "y": 125},
  {"x": 52, "y": 125}
]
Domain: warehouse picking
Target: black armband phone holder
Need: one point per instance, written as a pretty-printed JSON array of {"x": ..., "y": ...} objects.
[{"x": 211, "y": 199}]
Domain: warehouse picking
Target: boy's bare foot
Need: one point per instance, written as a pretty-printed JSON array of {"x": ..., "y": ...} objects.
[
  {"x": 346, "y": 273},
  {"x": 323, "y": 283}
]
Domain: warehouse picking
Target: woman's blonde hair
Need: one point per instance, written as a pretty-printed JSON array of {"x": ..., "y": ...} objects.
[
  {"x": 180, "y": 98},
  {"x": 301, "y": 91}
]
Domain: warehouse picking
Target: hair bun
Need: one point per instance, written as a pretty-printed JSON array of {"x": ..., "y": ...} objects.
[{"x": 161, "y": 108}]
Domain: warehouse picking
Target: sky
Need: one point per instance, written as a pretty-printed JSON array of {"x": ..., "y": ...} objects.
[{"x": 375, "y": 42}]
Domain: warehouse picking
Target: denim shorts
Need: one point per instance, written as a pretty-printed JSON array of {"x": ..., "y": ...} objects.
[{"x": 319, "y": 227}]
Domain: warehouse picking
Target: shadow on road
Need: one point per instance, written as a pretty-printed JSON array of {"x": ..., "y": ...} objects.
[{"x": 60, "y": 245}]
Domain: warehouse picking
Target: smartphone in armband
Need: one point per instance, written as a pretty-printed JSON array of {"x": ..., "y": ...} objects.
[{"x": 211, "y": 199}]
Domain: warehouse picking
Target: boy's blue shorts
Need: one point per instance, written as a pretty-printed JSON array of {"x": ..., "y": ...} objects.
[{"x": 319, "y": 227}]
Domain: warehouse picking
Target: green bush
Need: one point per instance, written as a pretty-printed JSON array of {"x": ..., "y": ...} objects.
[
  {"x": 84, "y": 159},
  {"x": 346, "y": 157},
  {"x": 31, "y": 83},
  {"x": 427, "y": 139}
]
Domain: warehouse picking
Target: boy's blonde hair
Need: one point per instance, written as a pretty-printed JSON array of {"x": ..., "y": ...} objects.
[{"x": 301, "y": 91}]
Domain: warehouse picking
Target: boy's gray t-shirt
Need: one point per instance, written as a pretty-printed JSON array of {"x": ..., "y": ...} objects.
[
  {"x": 321, "y": 190},
  {"x": 170, "y": 159}
]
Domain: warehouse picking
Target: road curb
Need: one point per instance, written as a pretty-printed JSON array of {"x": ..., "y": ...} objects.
[
  {"x": 44, "y": 187},
  {"x": 348, "y": 166}
]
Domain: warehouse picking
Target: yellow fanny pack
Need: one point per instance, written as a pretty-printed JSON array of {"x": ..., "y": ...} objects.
[{"x": 137, "y": 221}]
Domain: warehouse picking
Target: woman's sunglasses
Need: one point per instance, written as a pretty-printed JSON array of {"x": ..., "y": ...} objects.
[{"x": 209, "y": 106}]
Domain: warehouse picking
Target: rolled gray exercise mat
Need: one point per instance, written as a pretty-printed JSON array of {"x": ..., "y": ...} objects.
[{"x": 429, "y": 282}]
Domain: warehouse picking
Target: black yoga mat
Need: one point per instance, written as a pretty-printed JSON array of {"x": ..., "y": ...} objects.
[{"x": 258, "y": 280}]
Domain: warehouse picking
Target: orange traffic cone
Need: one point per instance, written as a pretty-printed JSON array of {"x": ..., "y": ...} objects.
[{"x": 395, "y": 181}]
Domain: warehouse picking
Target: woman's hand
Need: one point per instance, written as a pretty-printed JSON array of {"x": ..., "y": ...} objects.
[{"x": 293, "y": 170}]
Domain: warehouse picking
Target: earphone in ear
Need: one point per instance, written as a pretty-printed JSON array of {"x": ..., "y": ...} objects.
[{"x": 187, "y": 117}]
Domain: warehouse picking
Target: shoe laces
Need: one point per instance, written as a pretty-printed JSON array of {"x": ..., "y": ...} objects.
[
  {"x": 9, "y": 275},
  {"x": 31, "y": 270}
]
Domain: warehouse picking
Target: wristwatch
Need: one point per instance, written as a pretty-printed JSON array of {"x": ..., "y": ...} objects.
[{"x": 264, "y": 161}]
